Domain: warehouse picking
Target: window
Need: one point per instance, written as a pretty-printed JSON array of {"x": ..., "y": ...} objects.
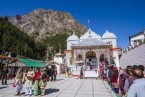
[{"x": 109, "y": 42}]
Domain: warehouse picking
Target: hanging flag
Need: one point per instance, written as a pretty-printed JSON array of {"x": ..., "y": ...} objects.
[
  {"x": 89, "y": 24},
  {"x": 88, "y": 21}
]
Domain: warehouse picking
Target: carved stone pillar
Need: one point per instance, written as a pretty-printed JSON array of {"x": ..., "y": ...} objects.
[
  {"x": 98, "y": 60},
  {"x": 84, "y": 56},
  {"x": 75, "y": 55},
  {"x": 108, "y": 56}
]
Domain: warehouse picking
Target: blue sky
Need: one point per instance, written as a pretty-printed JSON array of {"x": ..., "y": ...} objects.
[{"x": 122, "y": 17}]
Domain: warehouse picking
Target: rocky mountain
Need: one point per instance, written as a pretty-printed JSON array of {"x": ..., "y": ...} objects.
[{"x": 43, "y": 23}]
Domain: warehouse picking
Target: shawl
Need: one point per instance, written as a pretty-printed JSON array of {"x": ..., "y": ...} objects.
[{"x": 37, "y": 75}]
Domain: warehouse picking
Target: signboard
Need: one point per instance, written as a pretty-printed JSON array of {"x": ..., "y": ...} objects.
[
  {"x": 68, "y": 51},
  {"x": 115, "y": 49}
]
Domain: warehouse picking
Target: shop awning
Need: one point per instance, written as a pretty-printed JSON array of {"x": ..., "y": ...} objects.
[
  {"x": 31, "y": 62},
  {"x": 17, "y": 63}
]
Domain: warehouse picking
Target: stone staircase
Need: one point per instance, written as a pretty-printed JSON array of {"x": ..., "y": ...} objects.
[{"x": 135, "y": 56}]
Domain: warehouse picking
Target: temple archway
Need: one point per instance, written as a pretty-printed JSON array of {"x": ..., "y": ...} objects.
[
  {"x": 90, "y": 54},
  {"x": 79, "y": 57},
  {"x": 91, "y": 59}
]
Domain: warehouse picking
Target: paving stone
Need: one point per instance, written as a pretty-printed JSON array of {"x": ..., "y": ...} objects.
[
  {"x": 86, "y": 89},
  {"x": 101, "y": 96},
  {"x": 86, "y": 92},
  {"x": 82, "y": 95},
  {"x": 66, "y": 95},
  {"x": 69, "y": 91},
  {"x": 102, "y": 93},
  {"x": 66, "y": 87}
]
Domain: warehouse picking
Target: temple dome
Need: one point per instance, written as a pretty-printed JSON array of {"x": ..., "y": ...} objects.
[
  {"x": 90, "y": 33},
  {"x": 73, "y": 37},
  {"x": 99, "y": 36},
  {"x": 108, "y": 34}
]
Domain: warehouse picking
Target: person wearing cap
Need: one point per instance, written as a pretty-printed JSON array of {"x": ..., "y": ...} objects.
[{"x": 29, "y": 81}]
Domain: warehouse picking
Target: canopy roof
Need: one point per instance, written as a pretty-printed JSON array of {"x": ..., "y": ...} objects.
[
  {"x": 17, "y": 63},
  {"x": 31, "y": 62}
]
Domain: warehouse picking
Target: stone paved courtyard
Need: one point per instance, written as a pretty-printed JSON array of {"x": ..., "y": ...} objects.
[{"x": 67, "y": 87}]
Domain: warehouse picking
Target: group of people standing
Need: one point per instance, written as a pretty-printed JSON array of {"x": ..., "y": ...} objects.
[
  {"x": 7, "y": 73},
  {"x": 129, "y": 81},
  {"x": 132, "y": 81},
  {"x": 33, "y": 78}
]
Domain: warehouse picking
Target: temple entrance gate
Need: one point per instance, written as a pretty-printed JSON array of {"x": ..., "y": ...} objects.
[{"x": 91, "y": 60}]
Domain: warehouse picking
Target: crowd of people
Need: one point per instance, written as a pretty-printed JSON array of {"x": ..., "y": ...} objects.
[
  {"x": 29, "y": 77},
  {"x": 129, "y": 81},
  {"x": 8, "y": 73}
]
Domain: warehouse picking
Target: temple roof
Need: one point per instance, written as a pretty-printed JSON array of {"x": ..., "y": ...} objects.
[
  {"x": 91, "y": 42},
  {"x": 108, "y": 34},
  {"x": 72, "y": 37},
  {"x": 90, "y": 33}
]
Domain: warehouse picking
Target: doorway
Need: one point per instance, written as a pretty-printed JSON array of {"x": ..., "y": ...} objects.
[{"x": 91, "y": 60}]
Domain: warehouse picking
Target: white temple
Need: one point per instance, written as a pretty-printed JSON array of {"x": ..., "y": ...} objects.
[
  {"x": 91, "y": 47},
  {"x": 58, "y": 61}
]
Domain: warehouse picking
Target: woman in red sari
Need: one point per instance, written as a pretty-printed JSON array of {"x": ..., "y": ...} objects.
[
  {"x": 114, "y": 80},
  {"x": 36, "y": 82}
]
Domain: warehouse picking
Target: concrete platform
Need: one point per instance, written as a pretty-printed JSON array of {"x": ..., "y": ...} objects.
[{"x": 67, "y": 87}]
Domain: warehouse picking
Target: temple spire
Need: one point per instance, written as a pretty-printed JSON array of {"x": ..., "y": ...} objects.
[
  {"x": 89, "y": 24},
  {"x": 74, "y": 33},
  {"x": 106, "y": 30}
]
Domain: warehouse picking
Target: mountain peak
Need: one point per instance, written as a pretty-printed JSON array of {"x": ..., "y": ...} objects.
[
  {"x": 47, "y": 23},
  {"x": 38, "y": 11}
]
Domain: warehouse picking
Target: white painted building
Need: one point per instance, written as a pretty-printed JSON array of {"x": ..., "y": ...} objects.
[
  {"x": 91, "y": 46},
  {"x": 139, "y": 37},
  {"x": 135, "y": 53},
  {"x": 58, "y": 61}
]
